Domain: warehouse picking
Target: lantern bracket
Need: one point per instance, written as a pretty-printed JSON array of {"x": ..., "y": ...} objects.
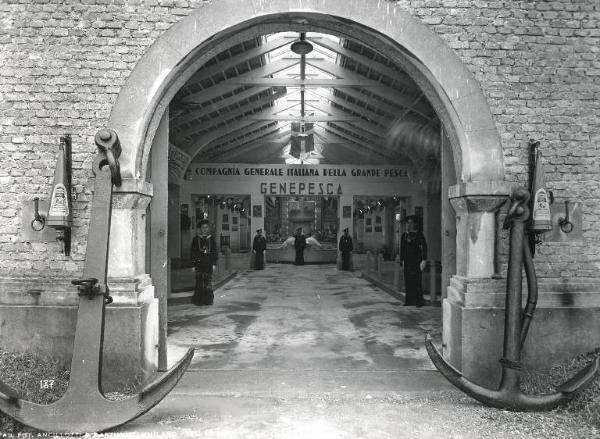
[{"x": 565, "y": 222}]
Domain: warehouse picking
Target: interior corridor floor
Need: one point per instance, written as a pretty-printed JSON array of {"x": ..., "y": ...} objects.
[{"x": 303, "y": 318}]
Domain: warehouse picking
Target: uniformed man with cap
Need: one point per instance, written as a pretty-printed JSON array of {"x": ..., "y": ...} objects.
[
  {"x": 413, "y": 255},
  {"x": 346, "y": 248},
  {"x": 299, "y": 244},
  {"x": 204, "y": 256},
  {"x": 259, "y": 245}
]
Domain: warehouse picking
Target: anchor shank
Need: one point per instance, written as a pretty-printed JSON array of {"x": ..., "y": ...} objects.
[
  {"x": 86, "y": 365},
  {"x": 532, "y": 293},
  {"x": 512, "y": 321}
]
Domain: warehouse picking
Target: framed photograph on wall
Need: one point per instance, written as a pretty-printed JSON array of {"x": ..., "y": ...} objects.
[
  {"x": 224, "y": 240},
  {"x": 257, "y": 211},
  {"x": 347, "y": 212}
]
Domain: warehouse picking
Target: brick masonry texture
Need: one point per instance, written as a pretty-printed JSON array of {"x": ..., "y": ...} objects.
[{"x": 62, "y": 64}]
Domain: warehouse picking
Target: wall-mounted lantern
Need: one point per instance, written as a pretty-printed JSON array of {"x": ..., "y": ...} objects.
[
  {"x": 40, "y": 217},
  {"x": 541, "y": 198},
  {"x": 60, "y": 212}
]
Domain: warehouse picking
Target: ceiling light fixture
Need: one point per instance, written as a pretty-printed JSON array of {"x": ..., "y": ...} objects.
[{"x": 302, "y": 47}]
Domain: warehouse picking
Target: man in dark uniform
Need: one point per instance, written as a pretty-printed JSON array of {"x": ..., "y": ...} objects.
[
  {"x": 299, "y": 244},
  {"x": 258, "y": 247},
  {"x": 204, "y": 257},
  {"x": 346, "y": 248},
  {"x": 413, "y": 254}
]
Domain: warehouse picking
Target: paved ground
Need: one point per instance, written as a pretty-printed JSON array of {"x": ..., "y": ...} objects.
[
  {"x": 310, "y": 317},
  {"x": 309, "y": 352}
]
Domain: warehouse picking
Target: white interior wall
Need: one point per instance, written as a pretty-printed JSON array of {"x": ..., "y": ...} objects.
[{"x": 385, "y": 181}]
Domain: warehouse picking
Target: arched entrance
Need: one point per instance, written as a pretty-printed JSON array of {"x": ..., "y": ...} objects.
[{"x": 448, "y": 85}]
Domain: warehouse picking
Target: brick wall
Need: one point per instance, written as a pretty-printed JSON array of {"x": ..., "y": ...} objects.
[
  {"x": 62, "y": 64},
  {"x": 538, "y": 63}
]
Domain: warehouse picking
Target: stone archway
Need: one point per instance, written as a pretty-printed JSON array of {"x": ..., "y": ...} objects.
[{"x": 445, "y": 81}]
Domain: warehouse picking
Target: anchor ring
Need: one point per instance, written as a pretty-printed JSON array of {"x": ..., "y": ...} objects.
[
  {"x": 38, "y": 224},
  {"x": 518, "y": 209}
]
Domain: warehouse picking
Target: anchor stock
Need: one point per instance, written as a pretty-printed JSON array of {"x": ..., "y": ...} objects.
[
  {"x": 84, "y": 408},
  {"x": 509, "y": 395}
]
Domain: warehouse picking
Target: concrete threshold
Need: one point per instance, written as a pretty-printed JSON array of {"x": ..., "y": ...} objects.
[
  {"x": 183, "y": 296},
  {"x": 309, "y": 383},
  {"x": 390, "y": 290},
  {"x": 382, "y": 286}
]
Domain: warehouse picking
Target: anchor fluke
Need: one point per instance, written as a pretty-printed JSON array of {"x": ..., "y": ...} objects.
[
  {"x": 512, "y": 398},
  {"x": 582, "y": 378},
  {"x": 78, "y": 412},
  {"x": 155, "y": 391},
  {"x": 8, "y": 395}
]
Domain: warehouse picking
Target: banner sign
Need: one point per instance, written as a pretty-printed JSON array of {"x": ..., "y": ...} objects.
[
  {"x": 351, "y": 173},
  {"x": 326, "y": 180},
  {"x": 301, "y": 188}
]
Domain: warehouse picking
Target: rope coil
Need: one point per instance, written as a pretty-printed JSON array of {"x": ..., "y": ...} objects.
[{"x": 516, "y": 365}]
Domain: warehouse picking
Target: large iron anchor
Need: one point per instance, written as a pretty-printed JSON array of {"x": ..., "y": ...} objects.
[
  {"x": 84, "y": 408},
  {"x": 509, "y": 395}
]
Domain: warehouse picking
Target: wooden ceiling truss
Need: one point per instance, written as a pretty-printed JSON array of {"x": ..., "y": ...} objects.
[{"x": 239, "y": 106}]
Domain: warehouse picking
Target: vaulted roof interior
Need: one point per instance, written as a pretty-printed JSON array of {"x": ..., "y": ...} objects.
[{"x": 277, "y": 99}]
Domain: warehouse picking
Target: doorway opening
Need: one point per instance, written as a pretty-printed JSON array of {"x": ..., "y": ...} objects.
[{"x": 335, "y": 137}]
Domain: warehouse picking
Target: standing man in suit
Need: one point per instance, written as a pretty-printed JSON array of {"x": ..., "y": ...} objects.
[
  {"x": 259, "y": 245},
  {"x": 204, "y": 256},
  {"x": 299, "y": 244},
  {"x": 346, "y": 248}
]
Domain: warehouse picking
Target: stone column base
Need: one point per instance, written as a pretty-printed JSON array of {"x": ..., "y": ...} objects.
[{"x": 566, "y": 323}]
